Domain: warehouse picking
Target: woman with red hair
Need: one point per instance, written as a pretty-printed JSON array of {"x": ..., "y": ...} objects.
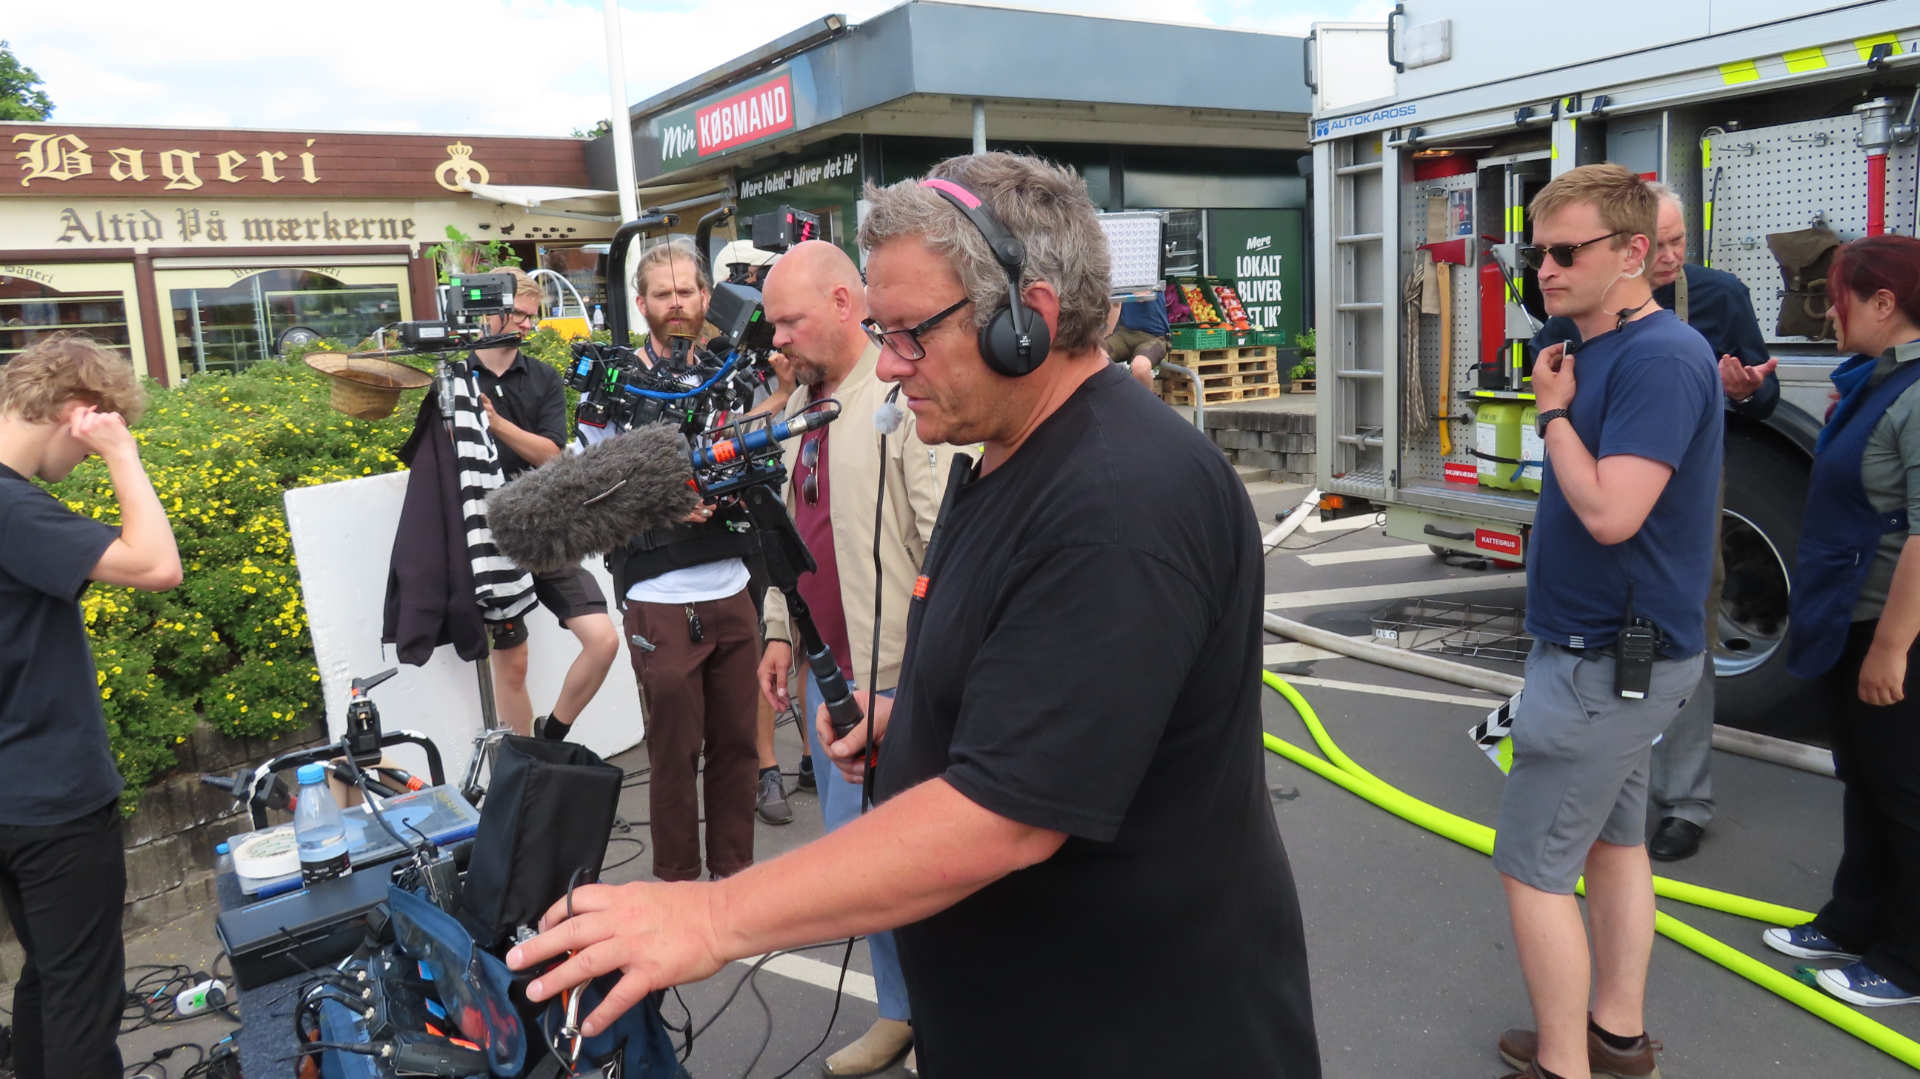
[{"x": 1854, "y": 620}]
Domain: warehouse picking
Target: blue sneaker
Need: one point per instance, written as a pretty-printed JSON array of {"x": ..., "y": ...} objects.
[
  {"x": 1858, "y": 984},
  {"x": 1806, "y": 942}
]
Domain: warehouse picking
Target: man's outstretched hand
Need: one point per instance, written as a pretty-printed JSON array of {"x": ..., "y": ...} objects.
[{"x": 656, "y": 935}]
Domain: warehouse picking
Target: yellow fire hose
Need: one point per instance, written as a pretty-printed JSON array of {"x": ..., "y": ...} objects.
[{"x": 1344, "y": 771}]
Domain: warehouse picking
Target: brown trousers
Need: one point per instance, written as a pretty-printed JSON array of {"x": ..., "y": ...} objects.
[{"x": 699, "y": 694}]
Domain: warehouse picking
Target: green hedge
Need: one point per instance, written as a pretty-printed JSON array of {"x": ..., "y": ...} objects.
[{"x": 230, "y": 645}]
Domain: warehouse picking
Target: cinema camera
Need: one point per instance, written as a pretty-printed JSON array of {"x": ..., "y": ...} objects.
[
  {"x": 464, "y": 300},
  {"x": 618, "y": 387}
]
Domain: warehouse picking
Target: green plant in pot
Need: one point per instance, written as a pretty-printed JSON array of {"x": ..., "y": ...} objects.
[
  {"x": 462, "y": 254},
  {"x": 1303, "y": 371}
]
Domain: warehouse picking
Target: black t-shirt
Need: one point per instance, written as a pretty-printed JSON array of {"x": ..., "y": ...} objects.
[
  {"x": 55, "y": 765},
  {"x": 1087, "y": 659},
  {"x": 531, "y": 396}
]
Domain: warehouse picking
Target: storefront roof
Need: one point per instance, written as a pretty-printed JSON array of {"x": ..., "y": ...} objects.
[
  {"x": 581, "y": 202},
  {"x": 918, "y": 67}
]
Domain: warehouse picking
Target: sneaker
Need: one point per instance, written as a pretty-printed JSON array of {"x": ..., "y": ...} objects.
[
  {"x": 1806, "y": 942},
  {"x": 1858, "y": 984},
  {"x": 912, "y": 1064},
  {"x": 805, "y": 780},
  {"x": 876, "y": 1050},
  {"x": 771, "y": 798},
  {"x": 1519, "y": 1047}
]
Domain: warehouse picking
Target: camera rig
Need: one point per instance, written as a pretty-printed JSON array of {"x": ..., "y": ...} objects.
[{"x": 464, "y": 301}]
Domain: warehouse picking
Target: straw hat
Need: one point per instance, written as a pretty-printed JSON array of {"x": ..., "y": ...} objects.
[{"x": 364, "y": 387}]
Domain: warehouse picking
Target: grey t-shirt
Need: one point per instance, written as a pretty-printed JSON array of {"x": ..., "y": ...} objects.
[
  {"x": 1890, "y": 472},
  {"x": 55, "y": 764}
]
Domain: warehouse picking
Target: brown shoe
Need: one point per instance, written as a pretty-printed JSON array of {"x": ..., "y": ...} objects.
[{"x": 1519, "y": 1047}]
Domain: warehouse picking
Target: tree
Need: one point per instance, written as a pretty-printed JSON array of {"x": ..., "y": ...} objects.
[
  {"x": 599, "y": 129},
  {"x": 19, "y": 100}
]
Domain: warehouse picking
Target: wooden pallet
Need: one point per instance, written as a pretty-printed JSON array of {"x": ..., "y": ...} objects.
[
  {"x": 1218, "y": 361},
  {"x": 1227, "y": 375},
  {"x": 1174, "y": 394}
]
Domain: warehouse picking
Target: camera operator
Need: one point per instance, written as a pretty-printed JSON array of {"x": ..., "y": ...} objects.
[
  {"x": 1073, "y": 841},
  {"x": 816, "y": 301},
  {"x": 63, "y": 874},
  {"x": 691, "y": 627},
  {"x": 1616, "y": 597},
  {"x": 526, "y": 408}
]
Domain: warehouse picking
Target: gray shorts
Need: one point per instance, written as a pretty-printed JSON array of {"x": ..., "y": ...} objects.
[{"x": 1580, "y": 756}]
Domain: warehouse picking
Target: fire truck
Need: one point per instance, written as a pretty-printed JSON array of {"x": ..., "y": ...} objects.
[{"x": 1785, "y": 128}]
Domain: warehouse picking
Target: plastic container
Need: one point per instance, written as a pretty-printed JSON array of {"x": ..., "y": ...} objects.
[
  {"x": 1533, "y": 448},
  {"x": 1496, "y": 434},
  {"x": 599, "y": 318},
  {"x": 222, "y": 858},
  {"x": 319, "y": 828}
]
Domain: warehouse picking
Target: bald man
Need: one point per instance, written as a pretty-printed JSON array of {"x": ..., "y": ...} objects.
[{"x": 815, "y": 300}]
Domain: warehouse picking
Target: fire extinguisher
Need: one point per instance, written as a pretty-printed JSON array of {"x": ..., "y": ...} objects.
[{"x": 1493, "y": 327}]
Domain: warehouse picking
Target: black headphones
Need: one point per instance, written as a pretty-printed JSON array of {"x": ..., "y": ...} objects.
[{"x": 1013, "y": 342}]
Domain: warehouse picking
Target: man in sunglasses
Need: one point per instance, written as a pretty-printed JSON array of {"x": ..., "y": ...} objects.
[
  {"x": 1617, "y": 576},
  {"x": 526, "y": 408},
  {"x": 1072, "y": 836},
  {"x": 816, "y": 301}
]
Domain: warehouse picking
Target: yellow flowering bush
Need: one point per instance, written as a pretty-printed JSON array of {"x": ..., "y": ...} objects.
[{"x": 230, "y": 645}]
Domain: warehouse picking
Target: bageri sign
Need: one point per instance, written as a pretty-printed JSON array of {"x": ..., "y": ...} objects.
[{"x": 127, "y": 162}]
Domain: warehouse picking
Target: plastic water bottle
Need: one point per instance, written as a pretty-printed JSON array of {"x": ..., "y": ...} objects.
[
  {"x": 222, "y": 859},
  {"x": 319, "y": 828},
  {"x": 599, "y": 318}
]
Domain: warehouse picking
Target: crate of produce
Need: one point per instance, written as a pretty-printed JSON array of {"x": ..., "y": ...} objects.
[{"x": 1201, "y": 337}]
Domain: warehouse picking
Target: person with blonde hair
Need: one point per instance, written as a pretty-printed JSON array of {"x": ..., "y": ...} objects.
[
  {"x": 526, "y": 408},
  {"x": 1617, "y": 581},
  {"x": 63, "y": 874}
]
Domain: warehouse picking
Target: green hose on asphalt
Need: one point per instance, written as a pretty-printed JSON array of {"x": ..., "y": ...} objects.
[{"x": 1344, "y": 771}]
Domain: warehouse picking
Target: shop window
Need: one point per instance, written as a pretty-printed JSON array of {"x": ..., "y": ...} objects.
[
  {"x": 30, "y": 311},
  {"x": 585, "y": 268},
  {"x": 233, "y": 327}
]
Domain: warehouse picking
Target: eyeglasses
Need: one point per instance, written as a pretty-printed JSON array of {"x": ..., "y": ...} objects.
[
  {"x": 517, "y": 315},
  {"x": 1535, "y": 256},
  {"x": 810, "y": 460},
  {"x": 906, "y": 343}
]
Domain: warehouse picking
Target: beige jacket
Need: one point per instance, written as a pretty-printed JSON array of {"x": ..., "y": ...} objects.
[{"x": 916, "y": 480}]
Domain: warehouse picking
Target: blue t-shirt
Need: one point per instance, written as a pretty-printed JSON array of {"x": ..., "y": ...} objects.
[
  {"x": 1147, "y": 316},
  {"x": 1650, "y": 389}
]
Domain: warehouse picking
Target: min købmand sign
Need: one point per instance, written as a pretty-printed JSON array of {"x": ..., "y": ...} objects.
[{"x": 733, "y": 118}]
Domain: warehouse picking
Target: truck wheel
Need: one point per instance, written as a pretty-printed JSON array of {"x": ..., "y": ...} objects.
[{"x": 1759, "y": 535}]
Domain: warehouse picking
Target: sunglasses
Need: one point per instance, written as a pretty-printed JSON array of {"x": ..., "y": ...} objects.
[
  {"x": 1535, "y": 256},
  {"x": 906, "y": 343},
  {"x": 810, "y": 460}
]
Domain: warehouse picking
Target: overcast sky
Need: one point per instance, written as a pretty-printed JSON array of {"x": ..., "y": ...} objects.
[{"x": 508, "y": 67}]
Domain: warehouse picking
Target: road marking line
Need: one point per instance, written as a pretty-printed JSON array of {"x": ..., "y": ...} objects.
[
  {"x": 1344, "y": 524},
  {"x": 1295, "y": 652},
  {"x": 802, "y": 968},
  {"x": 1328, "y": 597},
  {"x": 1274, "y": 655},
  {"x": 1371, "y": 554},
  {"x": 1395, "y": 691}
]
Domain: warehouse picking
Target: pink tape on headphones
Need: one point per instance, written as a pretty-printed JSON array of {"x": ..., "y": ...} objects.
[{"x": 951, "y": 188}]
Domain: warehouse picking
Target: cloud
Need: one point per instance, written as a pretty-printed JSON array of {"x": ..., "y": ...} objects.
[{"x": 528, "y": 67}]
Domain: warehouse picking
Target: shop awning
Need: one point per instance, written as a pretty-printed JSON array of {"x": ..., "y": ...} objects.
[{"x": 581, "y": 202}]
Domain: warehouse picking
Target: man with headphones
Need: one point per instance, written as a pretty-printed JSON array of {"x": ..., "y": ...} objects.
[
  {"x": 815, "y": 300},
  {"x": 1072, "y": 833}
]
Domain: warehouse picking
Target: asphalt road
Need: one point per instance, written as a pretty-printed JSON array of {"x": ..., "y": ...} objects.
[{"x": 1411, "y": 955}]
